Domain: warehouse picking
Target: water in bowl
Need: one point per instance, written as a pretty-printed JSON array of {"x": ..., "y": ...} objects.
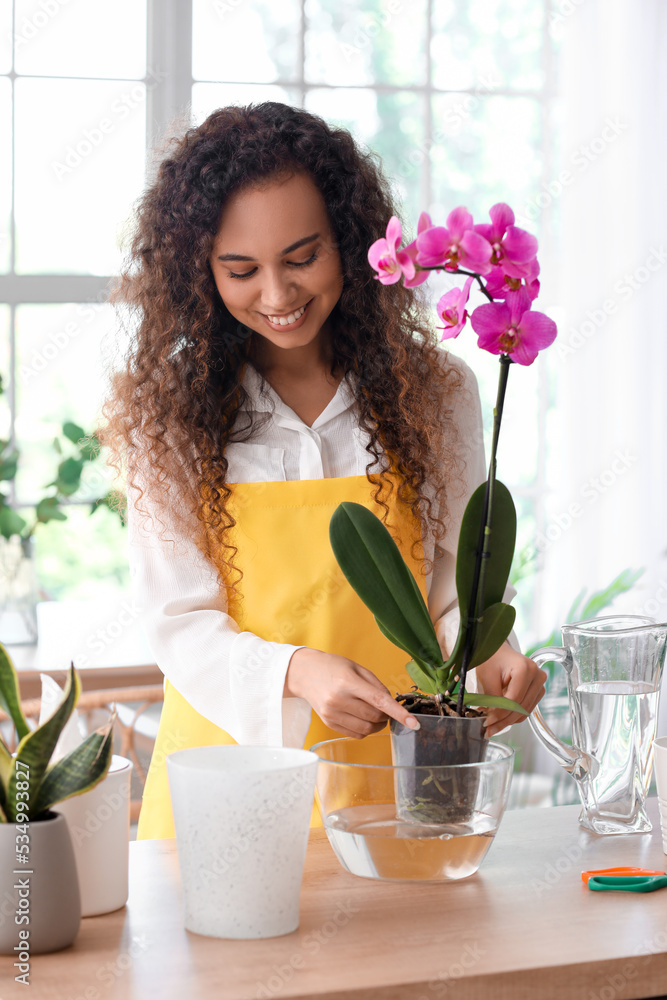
[{"x": 371, "y": 841}]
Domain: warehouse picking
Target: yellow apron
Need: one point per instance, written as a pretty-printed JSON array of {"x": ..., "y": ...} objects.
[{"x": 293, "y": 591}]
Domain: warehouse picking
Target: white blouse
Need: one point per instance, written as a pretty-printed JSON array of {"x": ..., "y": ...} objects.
[{"x": 197, "y": 645}]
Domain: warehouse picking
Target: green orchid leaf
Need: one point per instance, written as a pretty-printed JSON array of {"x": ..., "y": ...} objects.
[
  {"x": 9, "y": 464},
  {"x": 501, "y": 549},
  {"x": 73, "y": 432},
  {"x": 78, "y": 771},
  {"x": 35, "y": 750},
  {"x": 493, "y": 701},
  {"x": 423, "y": 680},
  {"x": 492, "y": 630},
  {"x": 457, "y": 652},
  {"x": 375, "y": 569},
  {"x": 426, "y": 668},
  {"x": 420, "y": 672},
  {"x": 48, "y": 509},
  {"x": 443, "y": 679},
  {"x": 10, "y": 695},
  {"x": 389, "y": 635}
]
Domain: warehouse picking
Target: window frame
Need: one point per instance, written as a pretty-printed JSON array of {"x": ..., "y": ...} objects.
[{"x": 169, "y": 72}]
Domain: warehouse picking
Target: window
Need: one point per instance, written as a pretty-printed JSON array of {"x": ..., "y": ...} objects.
[
  {"x": 434, "y": 87},
  {"x": 73, "y": 99}
]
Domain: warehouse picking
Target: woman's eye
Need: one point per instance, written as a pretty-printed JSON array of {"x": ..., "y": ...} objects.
[
  {"x": 293, "y": 263},
  {"x": 248, "y": 274},
  {"x": 304, "y": 263}
]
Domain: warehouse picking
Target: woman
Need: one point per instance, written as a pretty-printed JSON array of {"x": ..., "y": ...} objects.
[{"x": 270, "y": 378}]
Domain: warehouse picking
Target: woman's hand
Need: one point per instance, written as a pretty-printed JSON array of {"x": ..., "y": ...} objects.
[
  {"x": 346, "y": 696},
  {"x": 513, "y": 675}
]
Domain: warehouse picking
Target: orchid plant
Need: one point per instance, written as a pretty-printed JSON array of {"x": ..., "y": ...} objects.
[{"x": 502, "y": 260}]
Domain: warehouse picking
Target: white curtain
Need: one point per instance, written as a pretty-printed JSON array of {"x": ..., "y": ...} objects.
[{"x": 609, "y": 510}]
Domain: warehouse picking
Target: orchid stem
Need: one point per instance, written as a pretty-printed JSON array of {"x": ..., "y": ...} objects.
[
  {"x": 478, "y": 278},
  {"x": 469, "y": 274},
  {"x": 476, "y": 600}
]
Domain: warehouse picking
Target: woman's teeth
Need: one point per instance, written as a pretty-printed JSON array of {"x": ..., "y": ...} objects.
[{"x": 286, "y": 320}]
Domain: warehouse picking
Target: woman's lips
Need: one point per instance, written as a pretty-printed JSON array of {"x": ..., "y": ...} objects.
[{"x": 288, "y": 326}]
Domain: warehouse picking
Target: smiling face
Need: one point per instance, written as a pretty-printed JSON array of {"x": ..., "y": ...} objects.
[{"x": 276, "y": 266}]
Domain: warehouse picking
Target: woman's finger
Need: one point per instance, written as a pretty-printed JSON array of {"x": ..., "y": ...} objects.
[
  {"x": 351, "y": 725},
  {"x": 383, "y": 701},
  {"x": 361, "y": 709},
  {"x": 498, "y": 719},
  {"x": 340, "y": 728},
  {"x": 372, "y": 690}
]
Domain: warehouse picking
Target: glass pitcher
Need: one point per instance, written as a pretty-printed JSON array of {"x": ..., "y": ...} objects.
[{"x": 614, "y": 669}]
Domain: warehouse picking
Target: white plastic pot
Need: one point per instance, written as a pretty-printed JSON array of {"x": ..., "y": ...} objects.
[
  {"x": 242, "y": 818},
  {"x": 99, "y": 826}
]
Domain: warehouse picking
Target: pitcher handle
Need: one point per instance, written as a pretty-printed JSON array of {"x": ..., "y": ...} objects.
[{"x": 574, "y": 760}]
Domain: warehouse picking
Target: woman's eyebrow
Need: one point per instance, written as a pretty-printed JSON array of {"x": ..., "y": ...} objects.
[{"x": 289, "y": 249}]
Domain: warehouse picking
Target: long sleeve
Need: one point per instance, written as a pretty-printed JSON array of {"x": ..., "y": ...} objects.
[
  {"x": 442, "y": 597},
  {"x": 235, "y": 679}
]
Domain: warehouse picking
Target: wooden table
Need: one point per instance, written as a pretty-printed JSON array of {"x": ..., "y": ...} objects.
[{"x": 523, "y": 928}]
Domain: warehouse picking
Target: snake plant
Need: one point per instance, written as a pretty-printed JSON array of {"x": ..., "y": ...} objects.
[{"x": 29, "y": 783}]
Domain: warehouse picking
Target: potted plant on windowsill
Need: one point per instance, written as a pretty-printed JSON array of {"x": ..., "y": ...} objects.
[
  {"x": 39, "y": 875},
  {"x": 502, "y": 260},
  {"x": 18, "y": 576}
]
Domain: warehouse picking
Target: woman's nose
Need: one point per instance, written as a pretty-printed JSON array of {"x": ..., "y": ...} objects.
[{"x": 278, "y": 292}]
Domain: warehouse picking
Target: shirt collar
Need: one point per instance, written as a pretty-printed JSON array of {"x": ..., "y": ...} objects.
[{"x": 262, "y": 397}]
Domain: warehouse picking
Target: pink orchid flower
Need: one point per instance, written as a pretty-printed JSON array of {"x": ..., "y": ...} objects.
[
  {"x": 452, "y": 310},
  {"x": 385, "y": 257},
  {"x": 512, "y": 248},
  {"x": 419, "y": 276},
  {"x": 510, "y": 327},
  {"x": 498, "y": 284},
  {"x": 455, "y": 245}
]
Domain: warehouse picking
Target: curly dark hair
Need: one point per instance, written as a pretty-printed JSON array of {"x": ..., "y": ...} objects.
[{"x": 175, "y": 400}]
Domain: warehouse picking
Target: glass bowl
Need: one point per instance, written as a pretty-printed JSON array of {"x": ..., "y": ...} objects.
[{"x": 367, "y": 805}]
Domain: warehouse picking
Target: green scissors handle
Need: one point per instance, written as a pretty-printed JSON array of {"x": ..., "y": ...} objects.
[{"x": 637, "y": 883}]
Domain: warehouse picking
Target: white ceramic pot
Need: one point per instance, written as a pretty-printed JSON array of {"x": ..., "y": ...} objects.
[
  {"x": 660, "y": 762},
  {"x": 99, "y": 825},
  {"x": 242, "y": 817}
]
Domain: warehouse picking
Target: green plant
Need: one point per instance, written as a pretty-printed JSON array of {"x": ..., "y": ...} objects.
[
  {"x": 67, "y": 481},
  {"x": 374, "y": 567},
  {"x": 29, "y": 784},
  {"x": 583, "y": 608},
  {"x": 502, "y": 260}
]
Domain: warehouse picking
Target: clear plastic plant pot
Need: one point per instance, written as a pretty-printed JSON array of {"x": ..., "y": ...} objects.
[
  {"x": 359, "y": 794},
  {"x": 441, "y": 739}
]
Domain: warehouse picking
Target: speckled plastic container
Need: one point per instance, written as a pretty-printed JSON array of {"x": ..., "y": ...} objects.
[{"x": 242, "y": 817}]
